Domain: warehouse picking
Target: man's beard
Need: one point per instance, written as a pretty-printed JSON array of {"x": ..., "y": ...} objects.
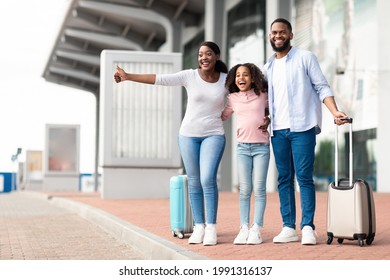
[{"x": 282, "y": 48}]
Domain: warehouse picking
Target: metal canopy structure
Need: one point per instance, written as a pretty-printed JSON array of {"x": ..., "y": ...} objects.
[{"x": 90, "y": 27}]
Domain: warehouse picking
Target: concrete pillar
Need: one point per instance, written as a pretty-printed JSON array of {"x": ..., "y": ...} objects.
[
  {"x": 383, "y": 132},
  {"x": 214, "y": 21},
  {"x": 275, "y": 9},
  {"x": 176, "y": 36},
  {"x": 214, "y": 26}
]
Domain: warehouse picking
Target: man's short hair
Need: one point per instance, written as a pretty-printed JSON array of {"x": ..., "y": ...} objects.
[{"x": 282, "y": 20}]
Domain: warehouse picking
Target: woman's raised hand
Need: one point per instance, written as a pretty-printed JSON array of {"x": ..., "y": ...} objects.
[{"x": 120, "y": 75}]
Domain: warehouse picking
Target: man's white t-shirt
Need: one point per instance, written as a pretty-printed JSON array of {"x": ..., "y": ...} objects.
[{"x": 280, "y": 118}]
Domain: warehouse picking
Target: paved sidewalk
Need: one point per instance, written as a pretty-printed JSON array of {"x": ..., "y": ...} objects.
[
  {"x": 34, "y": 229},
  {"x": 144, "y": 225}
]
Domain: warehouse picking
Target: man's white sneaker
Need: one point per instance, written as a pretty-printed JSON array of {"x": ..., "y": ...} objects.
[
  {"x": 197, "y": 235},
  {"x": 242, "y": 235},
  {"x": 254, "y": 236},
  {"x": 286, "y": 235},
  {"x": 210, "y": 235},
  {"x": 308, "y": 236}
]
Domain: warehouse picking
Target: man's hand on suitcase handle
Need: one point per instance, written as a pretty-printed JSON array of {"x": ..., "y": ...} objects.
[{"x": 342, "y": 120}]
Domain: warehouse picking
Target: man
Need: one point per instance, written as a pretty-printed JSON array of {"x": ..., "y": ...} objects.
[{"x": 297, "y": 88}]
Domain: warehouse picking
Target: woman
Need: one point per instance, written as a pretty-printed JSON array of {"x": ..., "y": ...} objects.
[{"x": 201, "y": 136}]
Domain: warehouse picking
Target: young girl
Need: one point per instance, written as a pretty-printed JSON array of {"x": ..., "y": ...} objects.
[{"x": 248, "y": 99}]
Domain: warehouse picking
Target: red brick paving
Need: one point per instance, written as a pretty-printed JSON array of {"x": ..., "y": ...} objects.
[
  {"x": 153, "y": 216},
  {"x": 33, "y": 229}
]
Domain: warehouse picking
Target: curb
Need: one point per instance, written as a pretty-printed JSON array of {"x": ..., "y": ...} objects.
[{"x": 150, "y": 245}]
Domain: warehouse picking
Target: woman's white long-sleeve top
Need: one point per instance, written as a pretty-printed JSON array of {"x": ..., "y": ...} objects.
[{"x": 204, "y": 105}]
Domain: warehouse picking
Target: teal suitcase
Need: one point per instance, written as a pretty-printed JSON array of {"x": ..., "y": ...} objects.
[{"x": 181, "y": 219}]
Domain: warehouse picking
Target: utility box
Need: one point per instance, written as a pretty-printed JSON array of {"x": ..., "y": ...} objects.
[
  {"x": 139, "y": 126},
  {"x": 62, "y": 158}
]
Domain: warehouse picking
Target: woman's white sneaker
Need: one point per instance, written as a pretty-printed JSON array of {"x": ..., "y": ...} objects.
[
  {"x": 197, "y": 234},
  {"x": 210, "y": 235}
]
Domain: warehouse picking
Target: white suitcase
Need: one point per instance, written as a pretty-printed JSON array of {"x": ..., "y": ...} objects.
[{"x": 351, "y": 210}]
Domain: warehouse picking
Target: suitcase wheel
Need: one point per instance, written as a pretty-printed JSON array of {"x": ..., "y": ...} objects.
[
  {"x": 330, "y": 239},
  {"x": 178, "y": 233},
  {"x": 340, "y": 240},
  {"x": 360, "y": 242},
  {"x": 370, "y": 240}
]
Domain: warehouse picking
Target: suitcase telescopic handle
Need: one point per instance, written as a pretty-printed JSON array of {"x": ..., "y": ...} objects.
[{"x": 336, "y": 163}]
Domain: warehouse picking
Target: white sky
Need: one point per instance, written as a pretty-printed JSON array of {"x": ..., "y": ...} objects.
[{"x": 28, "y": 30}]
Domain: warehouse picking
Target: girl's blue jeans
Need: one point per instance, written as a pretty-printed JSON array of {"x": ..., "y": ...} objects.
[{"x": 252, "y": 165}]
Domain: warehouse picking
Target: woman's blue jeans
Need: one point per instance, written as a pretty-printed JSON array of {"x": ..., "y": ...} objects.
[
  {"x": 294, "y": 154},
  {"x": 252, "y": 165},
  {"x": 201, "y": 157}
]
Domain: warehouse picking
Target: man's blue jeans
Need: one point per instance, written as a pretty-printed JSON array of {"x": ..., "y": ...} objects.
[
  {"x": 294, "y": 154},
  {"x": 201, "y": 157},
  {"x": 252, "y": 166}
]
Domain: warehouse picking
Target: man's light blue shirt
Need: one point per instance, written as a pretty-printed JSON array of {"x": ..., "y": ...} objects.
[{"x": 307, "y": 87}]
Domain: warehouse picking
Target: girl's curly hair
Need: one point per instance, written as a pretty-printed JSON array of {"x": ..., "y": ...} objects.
[{"x": 259, "y": 82}]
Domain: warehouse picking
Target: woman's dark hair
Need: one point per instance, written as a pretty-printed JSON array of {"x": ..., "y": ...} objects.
[
  {"x": 259, "y": 83},
  {"x": 220, "y": 66},
  {"x": 284, "y": 21}
]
